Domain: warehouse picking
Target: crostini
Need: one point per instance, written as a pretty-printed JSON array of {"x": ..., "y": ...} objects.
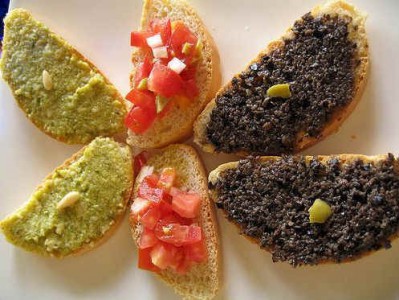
[
  {"x": 77, "y": 206},
  {"x": 175, "y": 73},
  {"x": 173, "y": 223},
  {"x": 58, "y": 89},
  {"x": 308, "y": 210},
  {"x": 296, "y": 92}
]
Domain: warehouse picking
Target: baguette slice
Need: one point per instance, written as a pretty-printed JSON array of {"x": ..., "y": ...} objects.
[
  {"x": 178, "y": 123},
  {"x": 58, "y": 89},
  {"x": 268, "y": 199},
  {"x": 203, "y": 280},
  {"x": 255, "y": 127},
  {"x": 98, "y": 181}
]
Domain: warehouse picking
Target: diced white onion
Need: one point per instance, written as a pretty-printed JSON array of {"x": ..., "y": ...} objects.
[
  {"x": 160, "y": 52},
  {"x": 176, "y": 65},
  {"x": 155, "y": 41}
]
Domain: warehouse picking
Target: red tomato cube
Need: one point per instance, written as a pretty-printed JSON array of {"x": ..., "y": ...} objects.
[
  {"x": 196, "y": 252},
  {"x": 153, "y": 194},
  {"x": 150, "y": 218},
  {"x": 143, "y": 70},
  {"x": 143, "y": 99},
  {"x": 163, "y": 27},
  {"x": 147, "y": 239},
  {"x": 163, "y": 255},
  {"x": 164, "y": 81},
  {"x": 177, "y": 234},
  {"x": 139, "y": 120},
  {"x": 139, "y": 38},
  {"x": 165, "y": 208},
  {"x": 145, "y": 261},
  {"x": 186, "y": 204},
  {"x": 181, "y": 35}
]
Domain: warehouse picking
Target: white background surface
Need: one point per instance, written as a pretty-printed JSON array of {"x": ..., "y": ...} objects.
[{"x": 100, "y": 30}]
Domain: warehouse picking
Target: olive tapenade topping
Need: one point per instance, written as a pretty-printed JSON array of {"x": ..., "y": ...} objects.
[
  {"x": 318, "y": 63},
  {"x": 270, "y": 203}
]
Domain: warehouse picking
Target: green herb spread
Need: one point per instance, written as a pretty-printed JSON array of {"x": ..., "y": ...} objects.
[
  {"x": 74, "y": 102},
  {"x": 101, "y": 175}
]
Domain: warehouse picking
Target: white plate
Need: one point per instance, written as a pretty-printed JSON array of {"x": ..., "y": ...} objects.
[{"x": 100, "y": 30}]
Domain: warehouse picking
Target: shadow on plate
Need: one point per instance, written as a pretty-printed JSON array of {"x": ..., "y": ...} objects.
[
  {"x": 100, "y": 269},
  {"x": 372, "y": 277}
]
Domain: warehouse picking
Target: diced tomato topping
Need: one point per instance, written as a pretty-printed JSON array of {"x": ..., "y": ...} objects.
[
  {"x": 181, "y": 35},
  {"x": 196, "y": 252},
  {"x": 164, "y": 81},
  {"x": 177, "y": 234},
  {"x": 139, "y": 161},
  {"x": 164, "y": 255},
  {"x": 163, "y": 27},
  {"x": 139, "y": 207},
  {"x": 191, "y": 89},
  {"x": 165, "y": 208},
  {"x": 145, "y": 261},
  {"x": 147, "y": 239},
  {"x": 143, "y": 99},
  {"x": 180, "y": 89},
  {"x": 153, "y": 194},
  {"x": 150, "y": 218},
  {"x": 167, "y": 178},
  {"x": 139, "y": 119},
  {"x": 174, "y": 218},
  {"x": 148, "y": 189},
  {"x": 139, "y": 38},
  {"x": 143, "y": 70},
  {"x": 186, "y": 204}
]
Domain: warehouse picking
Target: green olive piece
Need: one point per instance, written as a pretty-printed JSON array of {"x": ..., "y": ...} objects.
[
  {"x": 143, "y": 84},
  {"x": 279, "y": 90},
  {"x": 319, "y": 212},
  {"x": 160, "y": 103},
  {"x": 186, "y": 48}
]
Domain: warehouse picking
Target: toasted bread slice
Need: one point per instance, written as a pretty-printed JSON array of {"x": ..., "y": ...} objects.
[
  {"x": 78, "y": 206},
  {"x": 268, "y": 198},
  {"x": 323, "y": 57},
  {"x": 58, "y": 89},
  {"x": 178, "y": 123},
  {"x": 202, "y": 281}
]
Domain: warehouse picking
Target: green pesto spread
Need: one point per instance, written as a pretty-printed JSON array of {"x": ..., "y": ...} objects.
[
  {"x": 81, "y": 103},
  {"x": 102, "y": 175}
]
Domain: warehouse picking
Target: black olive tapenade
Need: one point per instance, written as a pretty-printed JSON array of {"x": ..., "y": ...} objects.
[
  {"x": 270, "y": 201},
  {"x": 318, "y": 63}
]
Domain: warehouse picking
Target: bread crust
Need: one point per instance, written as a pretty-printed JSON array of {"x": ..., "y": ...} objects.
[
  {"x": 126, "y": 197},
  {"x": 203, "y": 280},
  {"x": 335, "y": 7},
  {"x": 177, "y": 125},
  {"x": 343, "y": 158},
  {"x": 60, "y": 138}
]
